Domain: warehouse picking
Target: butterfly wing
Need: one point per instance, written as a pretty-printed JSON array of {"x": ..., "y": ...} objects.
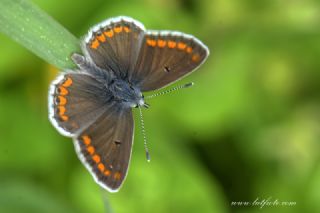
[
  {"x": 75, "y": 101},
  {"x": 165, "y": 57},
  {"x": 105, "y": 147},
  {"x": 114, "y": 44},
  {"x": 80, "y": 107},
  {"x": 148, "y": 59}
]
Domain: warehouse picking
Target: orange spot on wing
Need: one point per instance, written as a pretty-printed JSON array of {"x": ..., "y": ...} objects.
[
  {"x": 195, "y": 57},
  {"x": 101, "y": 38},
  {"x": 172, "y": 44},
  {"x": 117, "y": 175},
  {"x": 189, "y": 49},
  {"x": 96, "y": 158},
  {"x": 181, "y": 45},
  {"x": 151, "y": 42},
  {"x": 86, "y": 140},
  {"x": 118, "y": 29},
  {"x": 67, "y": 82},
  {"x": 62, "y": 110},
  {"x": 101, "y": 167},
  {"x": 107, "y": 172},
  {"x": 126, "y": 29},
  {"x": 61, "y": 100},
  {"x": 95, "y": 44},
  {"x": 62, "y": 90},
  {"x": 109, "y": 33},
  {"x": 64, "y": 117},
  {"x": 90, "y": 150},
  {"x": 161, "y": 43}
]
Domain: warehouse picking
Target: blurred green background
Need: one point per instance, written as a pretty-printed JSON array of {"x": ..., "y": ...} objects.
[{"x": 247, "y": 130}]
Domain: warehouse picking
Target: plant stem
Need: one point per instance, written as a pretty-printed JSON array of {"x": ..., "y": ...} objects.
[{"x": 31, "y": 27}]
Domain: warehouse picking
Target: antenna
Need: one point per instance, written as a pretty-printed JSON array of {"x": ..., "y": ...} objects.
[
  {"x": 144, "y": 136},
  {"x": 170, "y": 90}
]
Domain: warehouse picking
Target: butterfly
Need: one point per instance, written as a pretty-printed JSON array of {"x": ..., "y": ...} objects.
[{"x": 93, "y": 103}]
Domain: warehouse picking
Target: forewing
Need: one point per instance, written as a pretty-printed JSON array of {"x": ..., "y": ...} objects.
[
  {"x": 75, "y": 101},
  {"x": 165, "y": 57},
  {"x": 105, "y": 147},
  {"x": 114, "y": 44}
]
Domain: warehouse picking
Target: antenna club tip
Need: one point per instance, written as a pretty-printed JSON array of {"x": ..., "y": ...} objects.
[
  {"x": 188, "y": 85},
  {"x": 148, "y": 156}
]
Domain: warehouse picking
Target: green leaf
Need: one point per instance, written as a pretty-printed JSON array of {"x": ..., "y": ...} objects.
[{"x": 28, "y": 25}]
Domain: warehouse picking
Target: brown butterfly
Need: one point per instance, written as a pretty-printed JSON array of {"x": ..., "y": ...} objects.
[{"x": 92, "y": 104}]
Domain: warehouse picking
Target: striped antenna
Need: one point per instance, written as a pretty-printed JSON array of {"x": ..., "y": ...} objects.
[
  {"x": 144, "y": 136},
  {"x": 170, "y": 90}
]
